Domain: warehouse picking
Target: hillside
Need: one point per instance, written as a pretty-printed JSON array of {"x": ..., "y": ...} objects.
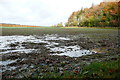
[
  {"x": 104, "y": 14},
  {"x": 16, "y": 25}
]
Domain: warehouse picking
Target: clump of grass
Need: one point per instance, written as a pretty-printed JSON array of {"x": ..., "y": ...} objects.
[{"x": 108, "y": 69}]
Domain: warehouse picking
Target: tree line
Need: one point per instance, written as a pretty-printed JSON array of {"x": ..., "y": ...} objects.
[{"x": 106, "y": 14}]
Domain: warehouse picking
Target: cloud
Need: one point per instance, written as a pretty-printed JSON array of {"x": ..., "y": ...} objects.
[{"x": 40, "y": 12}]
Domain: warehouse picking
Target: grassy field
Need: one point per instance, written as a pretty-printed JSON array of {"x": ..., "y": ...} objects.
[
  {"x": 55, "y": 30},
  {"x": 106, "y": 39},
  {"x": 94, "y": 33}
]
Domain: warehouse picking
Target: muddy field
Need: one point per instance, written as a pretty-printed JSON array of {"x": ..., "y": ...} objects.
[{"x": 27, "y": 52}]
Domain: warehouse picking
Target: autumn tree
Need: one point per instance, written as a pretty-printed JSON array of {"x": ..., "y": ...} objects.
[{"x": 105, "y": 14}]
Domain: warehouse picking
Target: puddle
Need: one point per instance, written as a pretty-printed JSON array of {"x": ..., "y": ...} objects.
[
  {"x": 17, "y": 40},
  {"x": 32, "y": 43},
  {"x": 65, "y": 48},
  {"x": 8, "y": 68},
  {"x": 74, "y": 53},
  {"x": 55, "y": 37},
  {"x": 5, "y": 67},
  {"x": 7, "y": 62},
  {"x": 71, "y": 51},
  {"x": 18, "y": 51}
]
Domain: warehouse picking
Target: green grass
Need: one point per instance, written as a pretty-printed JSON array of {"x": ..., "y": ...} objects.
[
  {"x": 106, "y": 69},
  {"x": 109, "y": 69},
  {"x": 54, "y": 30}
]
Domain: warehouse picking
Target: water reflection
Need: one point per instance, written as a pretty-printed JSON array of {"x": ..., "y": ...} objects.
[{"x": 25, "y": 44}]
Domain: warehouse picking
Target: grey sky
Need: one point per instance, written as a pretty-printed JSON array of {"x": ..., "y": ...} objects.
[{"x": 40, "y": 12}]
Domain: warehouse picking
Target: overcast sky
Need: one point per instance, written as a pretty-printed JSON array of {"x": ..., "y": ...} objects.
[{"x": 40, "y": 12}]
